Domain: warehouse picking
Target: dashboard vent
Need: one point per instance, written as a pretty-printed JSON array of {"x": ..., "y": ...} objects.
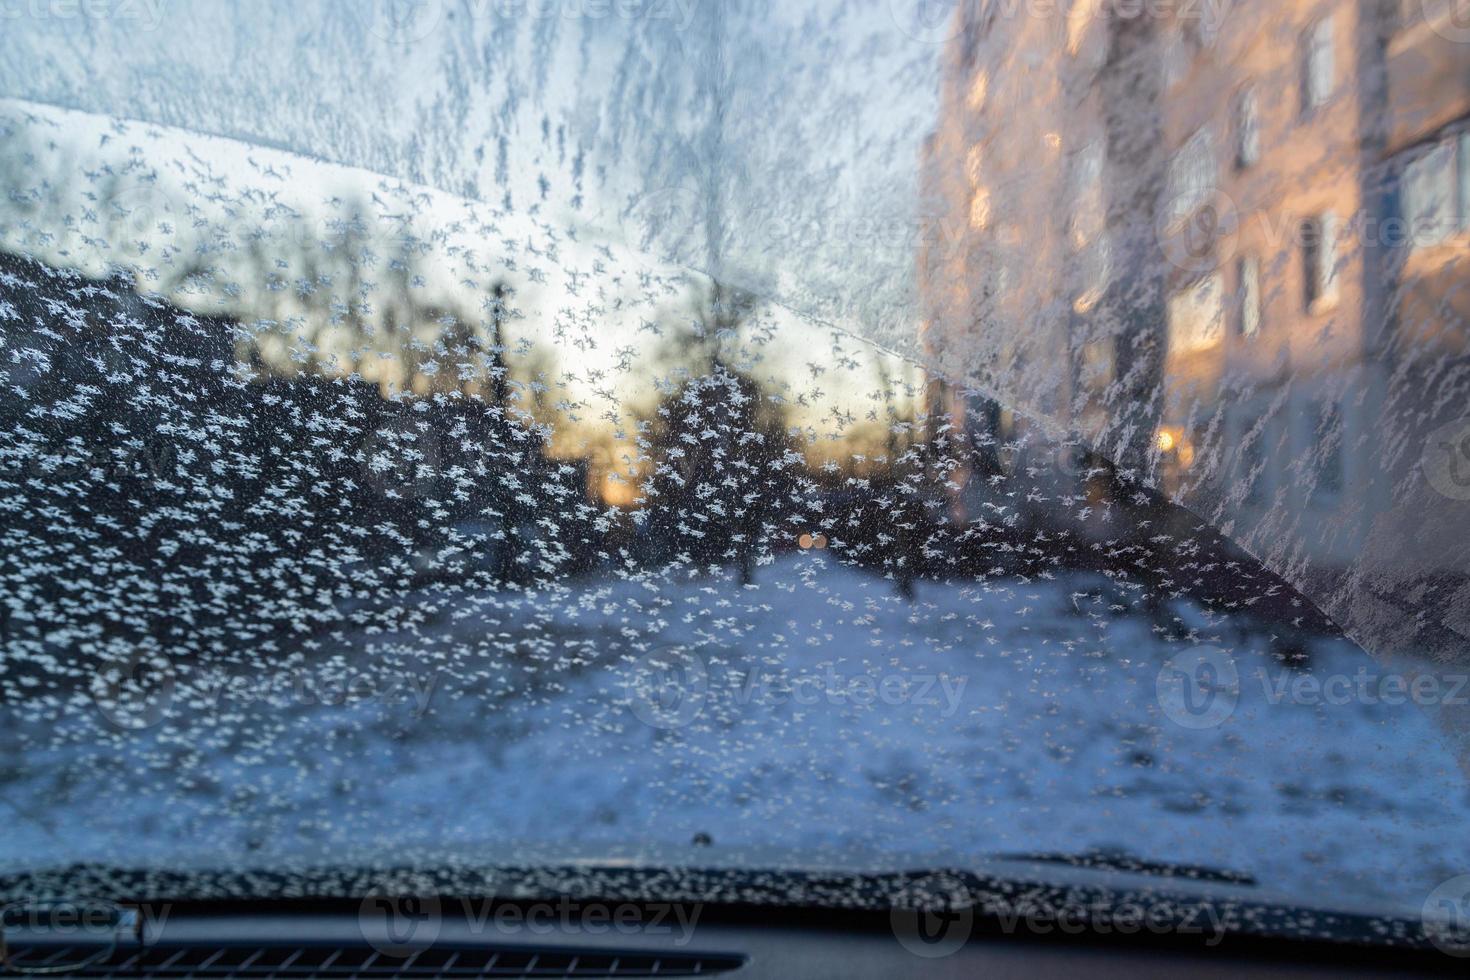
[{"x": 288, "y": 962}]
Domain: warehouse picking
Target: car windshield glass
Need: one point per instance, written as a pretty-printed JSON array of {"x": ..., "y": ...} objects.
[{"x": 858, "y": 436}]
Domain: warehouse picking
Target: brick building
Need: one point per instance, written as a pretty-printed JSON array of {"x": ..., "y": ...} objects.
[{"x": 1215, "y": 242}]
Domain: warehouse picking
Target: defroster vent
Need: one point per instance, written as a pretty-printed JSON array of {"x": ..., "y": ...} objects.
[{"x": 257, "y": 962}]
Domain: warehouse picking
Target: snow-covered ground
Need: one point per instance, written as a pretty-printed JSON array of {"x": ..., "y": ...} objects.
[{"x": 982, "y": 718}]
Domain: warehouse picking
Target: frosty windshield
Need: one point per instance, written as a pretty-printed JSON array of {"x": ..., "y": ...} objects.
[{"x": 986, "y": 430}]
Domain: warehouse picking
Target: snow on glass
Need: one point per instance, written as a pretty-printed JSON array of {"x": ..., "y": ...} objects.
[{"x": 762, "y": 456}]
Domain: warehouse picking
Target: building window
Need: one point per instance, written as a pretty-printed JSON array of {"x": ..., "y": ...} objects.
[
  {"x": 1096, "y": 267},
  {"x": 1319, "y": 68},
  {"x": 1195, "y": 316},
  {"x": 1247, "y": 130},
  {"x": 980, "y": 209},
  {"x": 970, "y": 39},
  {"x": 1005, "y": 424},
  {"x": 1433, "y": 194},
  {"x": 1327, "y": 455},
  {"x": 1099, "y": 364},
  {"x": 1087, "y": 227},
  {"x": 979, "y": 89},
  {"x": 1253, "y": 469},
  {"x": 1319, "y": 262},
  {"x": 1192, "y": 177},
  {"x": 1205, "y": 26},
  {"x": 1429, "y": 194},
  {"x": 1248, "y": 271},
  {"x": 1407, "y": 13},
  {"x": 973, "y": 159},
  {"x": 1088, "y": 218},
  {"x": 1176, "y": 59},
  {"x": 1465, "y": 181},
  {"x": 1080, "y": 18}
]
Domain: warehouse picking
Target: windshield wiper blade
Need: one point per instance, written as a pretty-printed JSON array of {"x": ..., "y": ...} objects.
[{"x": 1120, "y": 860}]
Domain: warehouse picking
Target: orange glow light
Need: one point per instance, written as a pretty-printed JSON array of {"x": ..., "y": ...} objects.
[{"x": 617, "y": 490}]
